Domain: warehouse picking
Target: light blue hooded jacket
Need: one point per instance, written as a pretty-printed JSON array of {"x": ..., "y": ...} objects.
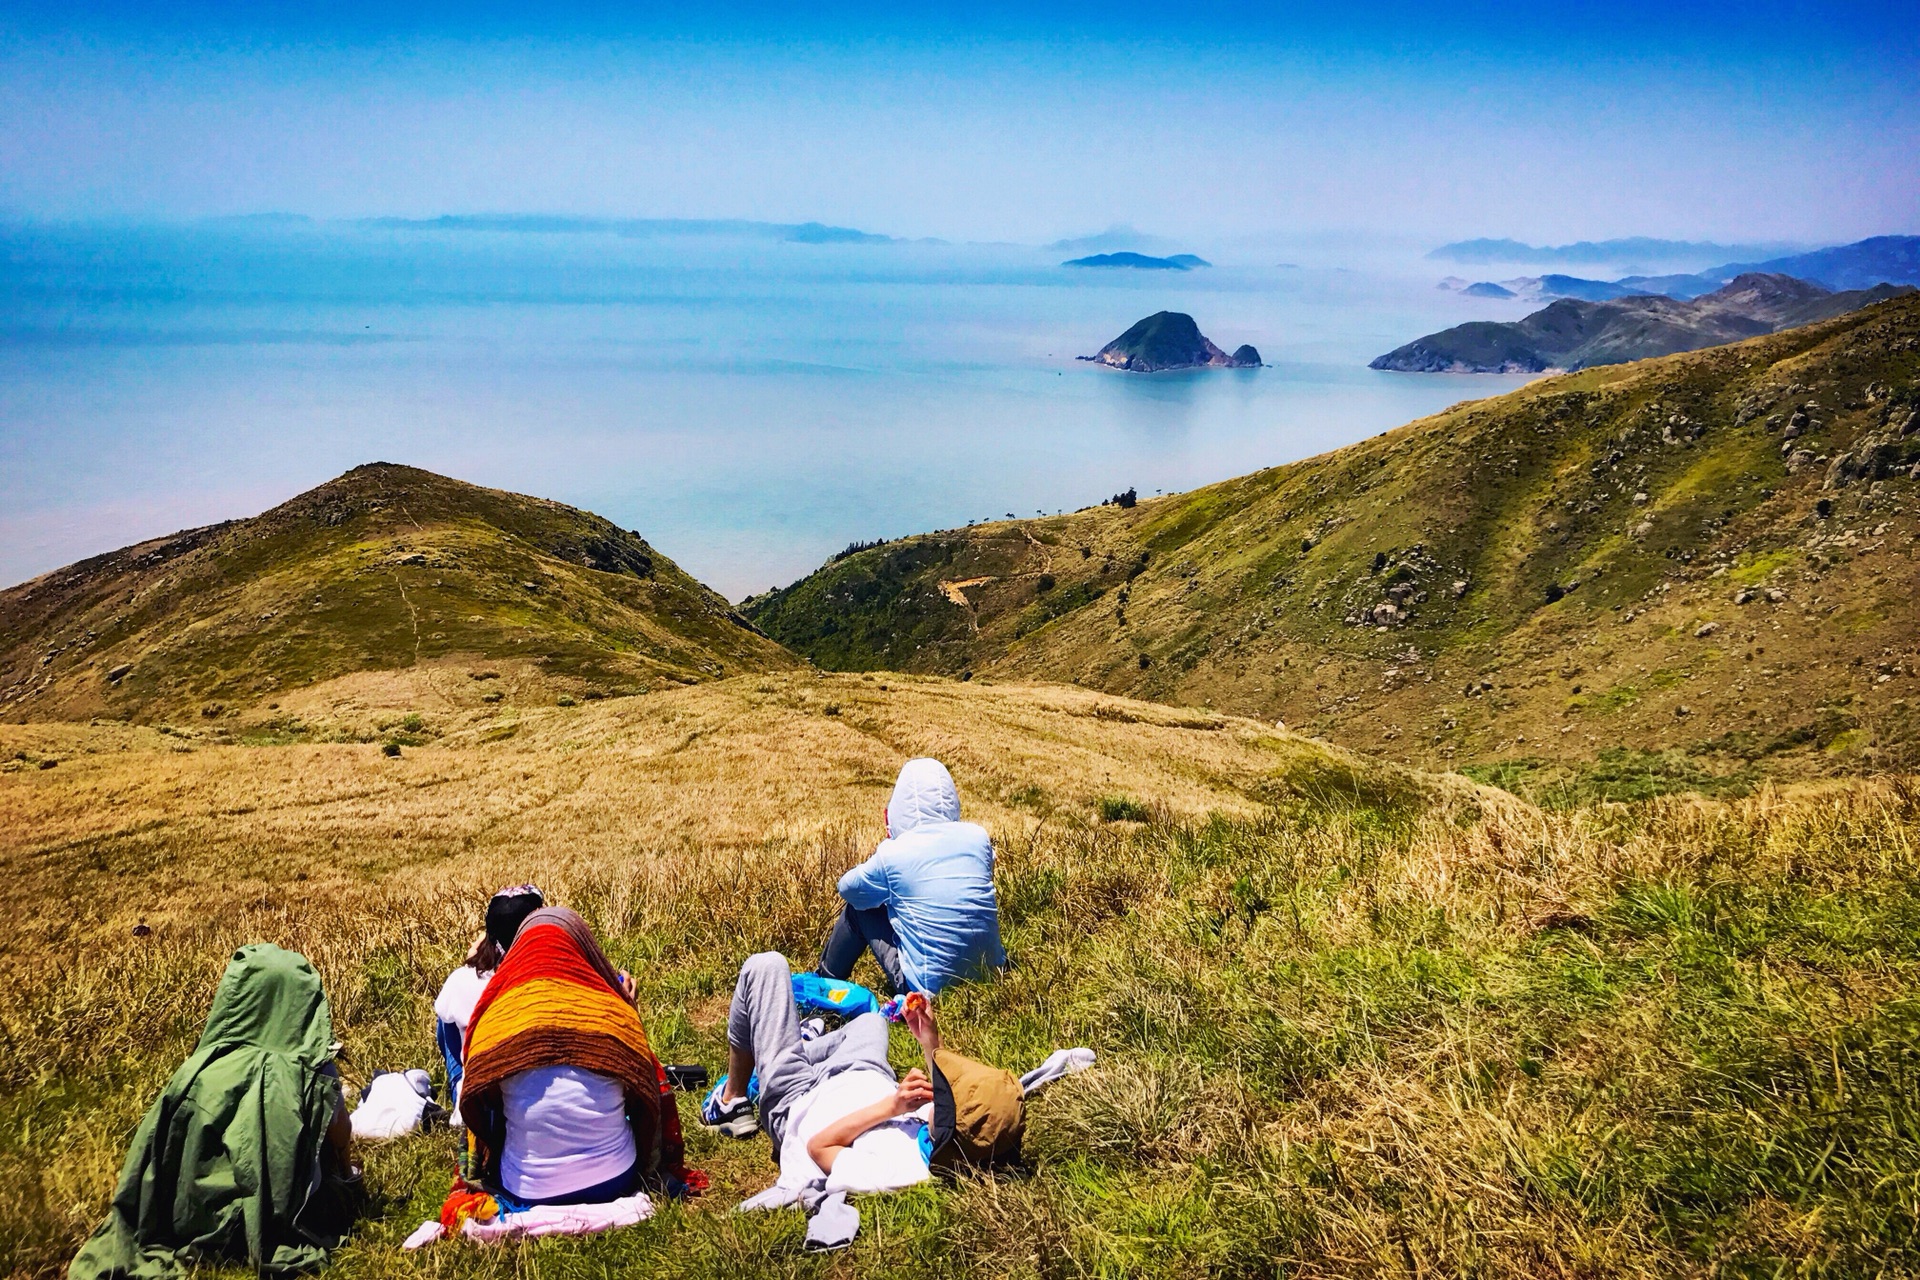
[{"x": 934, "y": 875}]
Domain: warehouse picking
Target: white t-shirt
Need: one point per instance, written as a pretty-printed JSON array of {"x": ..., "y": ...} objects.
[
  {"x": 458, "y": 994},
  {"x": 884, "y": 1158},
  {"x": 566, "y": 1129}
]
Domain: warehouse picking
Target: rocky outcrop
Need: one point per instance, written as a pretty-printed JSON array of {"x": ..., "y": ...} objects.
[{"x": 1169, "y": 340}]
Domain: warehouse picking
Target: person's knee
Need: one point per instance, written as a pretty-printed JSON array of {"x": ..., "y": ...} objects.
[
  {"x": 868, "y": 1029},
  {"x": 765, "y": 964}
]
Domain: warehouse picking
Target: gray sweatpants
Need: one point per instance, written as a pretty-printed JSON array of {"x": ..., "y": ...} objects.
[{"x": 764, "y": 1021}]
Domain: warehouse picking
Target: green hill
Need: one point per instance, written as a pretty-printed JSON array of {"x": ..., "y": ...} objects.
[
  {"x": 1701, "y": 564},
  {"x": 386, "y": 568}
]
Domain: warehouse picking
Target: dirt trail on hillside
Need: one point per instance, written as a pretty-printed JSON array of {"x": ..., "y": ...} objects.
[{"x": 956, "y": 590}]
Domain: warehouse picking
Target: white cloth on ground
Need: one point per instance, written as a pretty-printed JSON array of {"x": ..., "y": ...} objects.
[
  {"x": 545, "y": 1220},
  {"x": 392, "y": 1105},
  {"x": 884, "y": 1158},
  {"x": 566, "y": 1129},
  {"x": 832, "y": 1223},
  {"x": 458, "y": 994},
  {"x": 1061, "y": 1062}
]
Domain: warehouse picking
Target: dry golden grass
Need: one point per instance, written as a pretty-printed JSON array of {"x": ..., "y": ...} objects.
[{"x": 135, "y": 825}]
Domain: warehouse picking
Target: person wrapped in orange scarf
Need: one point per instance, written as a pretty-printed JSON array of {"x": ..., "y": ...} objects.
[{"x": 564, "y": 1100}]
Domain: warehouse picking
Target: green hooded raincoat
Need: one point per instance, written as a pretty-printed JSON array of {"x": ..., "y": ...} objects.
[{"x": 226, "y": 1164}]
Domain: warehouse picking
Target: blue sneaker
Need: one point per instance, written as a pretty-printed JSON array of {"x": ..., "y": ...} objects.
[{"x": 735, "y": 1119}]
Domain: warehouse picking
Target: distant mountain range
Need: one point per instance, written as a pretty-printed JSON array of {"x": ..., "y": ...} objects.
[
  {"x": 1861, "y": 265},
  {"x": 1632, "y": 249},
  {"x": 1576, "y": 334},
  {"x": 1879, "y": 260},
  {"x": 1140, "y": 261},
  {"x": 639, "y": 228}
]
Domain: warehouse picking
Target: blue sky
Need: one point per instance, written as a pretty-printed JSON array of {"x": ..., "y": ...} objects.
[{"x": 1755, "y": 122}]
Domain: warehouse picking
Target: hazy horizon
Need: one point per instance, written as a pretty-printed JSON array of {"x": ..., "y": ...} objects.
[{"x": 1775, "y": 122}]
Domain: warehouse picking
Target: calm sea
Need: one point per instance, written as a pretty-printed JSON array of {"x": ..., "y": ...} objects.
[{"x": 750, "y": 405}]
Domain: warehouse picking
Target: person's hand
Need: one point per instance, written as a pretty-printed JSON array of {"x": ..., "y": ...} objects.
[
  {"x": 628, "y": 989},
  {"x": 918, "y": 1012},
  {"x": 915, "y": 1091}
]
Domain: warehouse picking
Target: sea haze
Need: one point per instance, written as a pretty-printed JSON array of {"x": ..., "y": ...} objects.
[{"x": 749, "y": 401}]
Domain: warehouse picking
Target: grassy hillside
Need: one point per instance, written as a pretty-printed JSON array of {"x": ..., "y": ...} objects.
[
  {"x": 1622, "y": 579},
  {"x": 385, "y": 568},
  {"x": 1353, "y": 1020}
]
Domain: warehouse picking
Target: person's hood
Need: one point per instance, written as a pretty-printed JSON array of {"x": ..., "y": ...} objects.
[
  {"x": 924, "y": 793},
  {"x": 271, "y": 999}
]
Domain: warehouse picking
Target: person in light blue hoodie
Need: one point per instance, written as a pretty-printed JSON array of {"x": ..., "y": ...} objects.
[{"x": 924, "y": 902}]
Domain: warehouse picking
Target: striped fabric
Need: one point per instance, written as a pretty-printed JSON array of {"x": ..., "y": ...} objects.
[{"x": 552, "y": 1003}]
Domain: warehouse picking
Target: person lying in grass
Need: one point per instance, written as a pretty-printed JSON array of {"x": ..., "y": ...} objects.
[
  {"x": 563, "y": 1097},
  {"x": 831, "y": 1103},
  {"x": 836, "y": 1112},
  {"x": 246, "y": 1154},
  {"x": 453, "y": 1007},
  {"x": 923, "y": 904}
]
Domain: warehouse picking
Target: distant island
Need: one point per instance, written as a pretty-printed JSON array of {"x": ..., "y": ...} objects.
[
  {"x": 1575, "y": 334},
  {"x": 1140, "y": 261},
  {"x": 1170, "y": 340},
  {"x": 1545, "y": 288},
  {"x": 635, "y": 228}
]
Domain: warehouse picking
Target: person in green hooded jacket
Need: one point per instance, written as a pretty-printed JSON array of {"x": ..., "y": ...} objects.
[{"x": 244, "y": 1157}]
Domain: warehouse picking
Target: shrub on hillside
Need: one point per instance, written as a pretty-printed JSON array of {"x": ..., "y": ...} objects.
[{"x": 854, "y": 548}]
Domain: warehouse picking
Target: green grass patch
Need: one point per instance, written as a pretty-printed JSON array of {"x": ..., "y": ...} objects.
[
  {"x": 1122, "y": 809},
  {"x": 1616, "y": 697},
  {"x": 1752, "y": 569},
  {"x": 1618, "y": 774}
]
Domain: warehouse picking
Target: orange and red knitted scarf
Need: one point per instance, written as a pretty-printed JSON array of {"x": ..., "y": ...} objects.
[{"x": 555, "y": 1001}]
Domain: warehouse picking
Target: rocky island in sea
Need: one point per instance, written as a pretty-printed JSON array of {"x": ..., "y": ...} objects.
[{"x": 1170, "y": 340}]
